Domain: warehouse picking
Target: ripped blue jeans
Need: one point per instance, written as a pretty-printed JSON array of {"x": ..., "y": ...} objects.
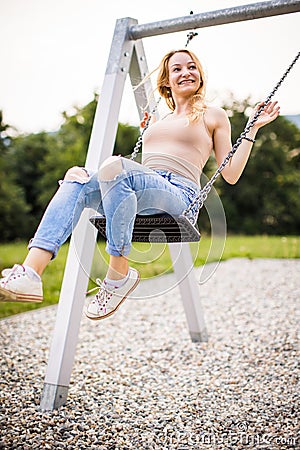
[{"x": 136, "y": 190}]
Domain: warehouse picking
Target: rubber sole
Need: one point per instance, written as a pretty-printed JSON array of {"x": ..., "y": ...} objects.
[{"x": 10, "y": 296}]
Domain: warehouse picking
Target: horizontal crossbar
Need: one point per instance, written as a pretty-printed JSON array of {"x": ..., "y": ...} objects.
[{"x": 212, "y": 18}]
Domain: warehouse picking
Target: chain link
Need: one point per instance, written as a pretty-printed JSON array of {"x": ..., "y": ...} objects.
[
  {"x": 139, "y": 142},
  {"x": 190, "y": 36},
  {"x": 202, "y": 196}
]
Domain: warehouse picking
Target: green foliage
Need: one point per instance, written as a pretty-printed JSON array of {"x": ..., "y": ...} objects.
[
  {"x": 125, "y": 140},
  {"x": 28, "y": 154},
  {"x": 31, "y": 165},
  {"x": 69, "y": 148},
  {"x": 265, "y": 200},
  {"x": 13, "y": 205}
]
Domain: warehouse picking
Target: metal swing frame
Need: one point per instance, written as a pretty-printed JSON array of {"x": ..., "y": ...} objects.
[{"x": 127, "y": 57}]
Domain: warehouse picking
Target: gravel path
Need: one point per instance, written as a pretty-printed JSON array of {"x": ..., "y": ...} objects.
[{"x": 140, "y": 383}]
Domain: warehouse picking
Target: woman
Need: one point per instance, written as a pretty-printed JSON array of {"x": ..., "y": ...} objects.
[{"x": 175, "y": 151}]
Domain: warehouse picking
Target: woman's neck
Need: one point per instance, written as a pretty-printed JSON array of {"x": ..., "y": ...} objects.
[{"x": 182, "y": 107}]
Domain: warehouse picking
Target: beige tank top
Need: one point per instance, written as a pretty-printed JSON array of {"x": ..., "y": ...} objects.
[
  {"x": 175, "y": 145},
  {"x": 172, "y": 164}
]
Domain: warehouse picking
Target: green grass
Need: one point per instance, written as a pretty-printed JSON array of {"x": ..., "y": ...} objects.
[{"x": 149, "y": 260}]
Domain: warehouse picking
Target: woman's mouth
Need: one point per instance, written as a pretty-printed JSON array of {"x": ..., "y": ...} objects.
[{"x": 186, "y": 82}]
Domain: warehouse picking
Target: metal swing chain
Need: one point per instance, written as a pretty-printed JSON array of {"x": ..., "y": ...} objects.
[
  {"x": 139, "y": 142},
  {"x": 200, "y": 199}
]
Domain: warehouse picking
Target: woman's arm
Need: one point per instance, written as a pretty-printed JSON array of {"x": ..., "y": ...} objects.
[{"x": 222, "y": 140}]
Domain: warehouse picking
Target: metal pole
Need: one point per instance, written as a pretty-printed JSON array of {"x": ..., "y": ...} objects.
[
  {"x": 189, "y": 290},
  {"x": 212, "y": 18},
  {"x": 83, "y": 240}
]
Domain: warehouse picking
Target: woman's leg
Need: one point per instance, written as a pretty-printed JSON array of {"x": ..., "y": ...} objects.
[
  {"x": 37, "y": 259},
  {"x": 128, "y": 188},
  {"x": 118, "y": 264},
  {"x": 77, "y": 191},
  {"x": 118, "y": 267}
]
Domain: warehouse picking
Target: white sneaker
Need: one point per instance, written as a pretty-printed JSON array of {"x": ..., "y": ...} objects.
[
  {"x": 107, "y": 301},
  {"x": 17, "y": 286}
]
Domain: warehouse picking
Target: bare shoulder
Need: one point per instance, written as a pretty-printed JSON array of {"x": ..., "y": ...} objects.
[
  {"x": 215, "y": 117},
  {"x": 215, "y": 113}
]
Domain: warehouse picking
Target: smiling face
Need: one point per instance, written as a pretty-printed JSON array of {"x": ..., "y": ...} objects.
[
  {"x": 180, "y": 73},
  {"x": 184, "y": 76}
]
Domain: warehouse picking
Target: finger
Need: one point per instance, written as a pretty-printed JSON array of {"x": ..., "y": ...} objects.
[
  {"x": 145, "y": 119},
  {"x": 272, "y": 114},
  {"x": 271, "y": 106},
  {"x": 275, "y": 113},
  {"x": 261, "y": 106}
]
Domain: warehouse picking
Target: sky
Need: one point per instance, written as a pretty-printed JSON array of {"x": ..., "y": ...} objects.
[{"x": 54, "y": 54}]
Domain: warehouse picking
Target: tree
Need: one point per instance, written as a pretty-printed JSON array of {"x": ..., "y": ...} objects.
[
  {"x": 28, "y": 154},
  {"x": 71, "y": 145},
  {"x": 69, "y": 149},
  {"x": 13, "y": 208},
  {"x": 266, "y": 198},
  {"x": 126, "y": 138}
]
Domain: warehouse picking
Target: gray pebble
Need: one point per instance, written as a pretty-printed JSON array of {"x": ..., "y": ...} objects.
[{"x": 140, "y": 383}]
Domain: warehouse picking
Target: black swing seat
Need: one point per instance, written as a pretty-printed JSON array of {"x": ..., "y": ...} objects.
[{"x": 156, "y": 228}]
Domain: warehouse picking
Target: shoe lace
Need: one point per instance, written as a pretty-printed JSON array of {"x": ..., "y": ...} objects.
[
  {"x": 102, "y": 297},
  {"x": 6, "y": 272},
  {"x": 11, "y": 273}
]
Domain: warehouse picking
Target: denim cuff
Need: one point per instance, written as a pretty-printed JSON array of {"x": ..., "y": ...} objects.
[
  {"x": 113, "y": 251},
  {"x": 44, "y": 245}
]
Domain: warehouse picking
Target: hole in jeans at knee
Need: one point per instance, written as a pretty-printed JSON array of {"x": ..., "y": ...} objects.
[
  {"x": 110, "y": 169},
  {"x": 76, "y": 175}
]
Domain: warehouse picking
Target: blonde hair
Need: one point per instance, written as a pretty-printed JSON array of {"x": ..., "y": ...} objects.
[{"x": 197, "y": 100}]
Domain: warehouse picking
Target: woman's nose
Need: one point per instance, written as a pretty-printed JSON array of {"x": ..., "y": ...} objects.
[{"x": 185, "y": 72}]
